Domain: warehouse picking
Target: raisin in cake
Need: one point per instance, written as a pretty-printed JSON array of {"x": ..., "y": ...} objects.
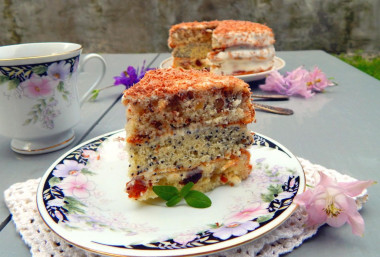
[
  {"x": 187, "y": 126},
  {"x": 228, "y": 47}
]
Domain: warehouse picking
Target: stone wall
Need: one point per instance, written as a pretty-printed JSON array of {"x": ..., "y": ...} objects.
[{"x": 137, "y": 26}]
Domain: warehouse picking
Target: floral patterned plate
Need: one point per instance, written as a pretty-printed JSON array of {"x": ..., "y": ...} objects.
[
  {"x": 81, "y": 198},
  {"x": 278, "y": 65}
]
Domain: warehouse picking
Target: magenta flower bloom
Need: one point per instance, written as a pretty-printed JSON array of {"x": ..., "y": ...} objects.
[
  {"x": 333, "y": 203},
  {"x": 78, "y": 186},
  {"x": 37, "y": 86},
  {"x": 59, "y": 70},
  {"x": 67, "y": 168},
  {"x": 234, "y": 229}
]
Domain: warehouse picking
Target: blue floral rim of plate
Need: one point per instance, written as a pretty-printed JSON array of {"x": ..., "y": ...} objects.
[{"x": 63, "y": 203}]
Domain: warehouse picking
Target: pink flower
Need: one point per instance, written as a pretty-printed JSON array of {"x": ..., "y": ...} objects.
[
  {"x": 77, "y": 186},
  {"x": 318, "y": 81},
  {"x": 184, "y": 238},
  {"x": 274, "y": 82},
  {"x": 91, "y": 155},
  {"x": 332, "y": 202},
  {"x": 38, "y": 86},
  {"x": 297, "y": 82},
  {"x": 253, "y": 211}
]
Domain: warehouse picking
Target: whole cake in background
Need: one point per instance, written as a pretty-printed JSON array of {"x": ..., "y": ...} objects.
[
  {"x": 187, "y": 126},
  {"x": 228, "y": 47}
]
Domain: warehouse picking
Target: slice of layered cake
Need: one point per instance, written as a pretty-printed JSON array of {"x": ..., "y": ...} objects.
[
  {"x": 228, "y": 47},
  {"x": 187, "y": 126}
]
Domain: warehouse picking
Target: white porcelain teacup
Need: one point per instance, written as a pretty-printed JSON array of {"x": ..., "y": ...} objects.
[{"x": 39, "y": 103}]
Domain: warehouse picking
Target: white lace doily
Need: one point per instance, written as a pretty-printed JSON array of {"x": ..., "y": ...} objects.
[{"x": 21, "y": 201}]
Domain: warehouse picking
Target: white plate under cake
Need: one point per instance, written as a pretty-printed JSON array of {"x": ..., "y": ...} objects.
[{"x": 81, "y": 198}]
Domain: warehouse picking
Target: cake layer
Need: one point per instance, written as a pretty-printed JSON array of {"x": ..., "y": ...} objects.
[
  {"x": 206, "y": 176},
  {"x": 159, "y": 104},
  {"x": 191, "y": 32},
  {"x": 230, "y": 33},
  {"x": 191, "y": 63},
  {"x": 192, "y": 50},
  {"x": 187, "y": 148}
]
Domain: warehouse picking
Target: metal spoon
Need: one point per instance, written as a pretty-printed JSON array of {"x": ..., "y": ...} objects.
[
  {"x": 271, "y": 97},
  {"x": 273, "y": 109}
]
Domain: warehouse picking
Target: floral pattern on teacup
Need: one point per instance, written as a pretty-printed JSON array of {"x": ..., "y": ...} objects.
[{"x": 45, "y": 83}]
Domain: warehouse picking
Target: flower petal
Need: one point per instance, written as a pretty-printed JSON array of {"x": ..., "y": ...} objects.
[
  {"x": 355, "y": 188},
  {"x": 357, "y": 223}
]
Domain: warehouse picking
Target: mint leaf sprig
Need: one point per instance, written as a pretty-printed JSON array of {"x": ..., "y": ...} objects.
[{"x": 173, "y": 196}]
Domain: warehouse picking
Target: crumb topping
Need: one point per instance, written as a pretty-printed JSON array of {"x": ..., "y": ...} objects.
[
  {"x": 194, "y": 24},
  {"x": 164, "y": 82}
]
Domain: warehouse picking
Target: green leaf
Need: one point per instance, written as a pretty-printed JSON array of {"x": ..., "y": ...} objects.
[
  {"x": 65, "y": 98},
  {"x": 166, "y": 192},
  {"x": 27, "y": 122},
  {"x": 60, "y": 86},
  {"x": 94, "y": 94},
  {"x": 186, "y": 189},
  {"x": 173, "y": 201},
  {"x": 3, "y": 79},
  {"x": 40, "y": 69},
  {"x": 262, "y": 219},
  {"x": 73, "y": 202},
  {"x": 275, "y": 189},
  {"x": 197, "y": 199},
  {"x": 267, "y": 198},
  {"x": 13, "y": 84},
  {"x": 54, "y": 181},
  {"x": 87, "y": 172}
]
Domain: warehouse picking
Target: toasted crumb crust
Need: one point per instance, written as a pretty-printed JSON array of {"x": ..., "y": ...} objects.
[
  {"x": 161, "y": 83},
  {"x": 194, "y": 24},
  {"x": 227, "y": 26}
]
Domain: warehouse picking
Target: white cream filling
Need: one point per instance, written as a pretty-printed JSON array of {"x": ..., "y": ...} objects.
[
  {"x": 233, "y": 66},
  {"x": 264, "y": 38},
  {"x": 239, "y": 59},
  {"x": 256, "y": 54}
]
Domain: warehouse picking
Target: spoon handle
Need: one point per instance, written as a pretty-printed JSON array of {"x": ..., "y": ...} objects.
[
  {"x": 273, "y": 109},
  {"x": 274, "y": 97}
]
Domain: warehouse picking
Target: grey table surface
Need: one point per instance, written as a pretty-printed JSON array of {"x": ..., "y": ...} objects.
[{"x": 337, "y": 129}]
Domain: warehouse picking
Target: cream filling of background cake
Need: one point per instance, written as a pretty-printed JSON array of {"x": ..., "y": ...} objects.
[
  {"x": 256, "y": 54},
  {"x": 242, "y": 59},
  {"x": 246, "y": 66}
]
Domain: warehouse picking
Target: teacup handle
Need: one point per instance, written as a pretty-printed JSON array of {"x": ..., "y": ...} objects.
[{"x": 100, "y": 77}]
